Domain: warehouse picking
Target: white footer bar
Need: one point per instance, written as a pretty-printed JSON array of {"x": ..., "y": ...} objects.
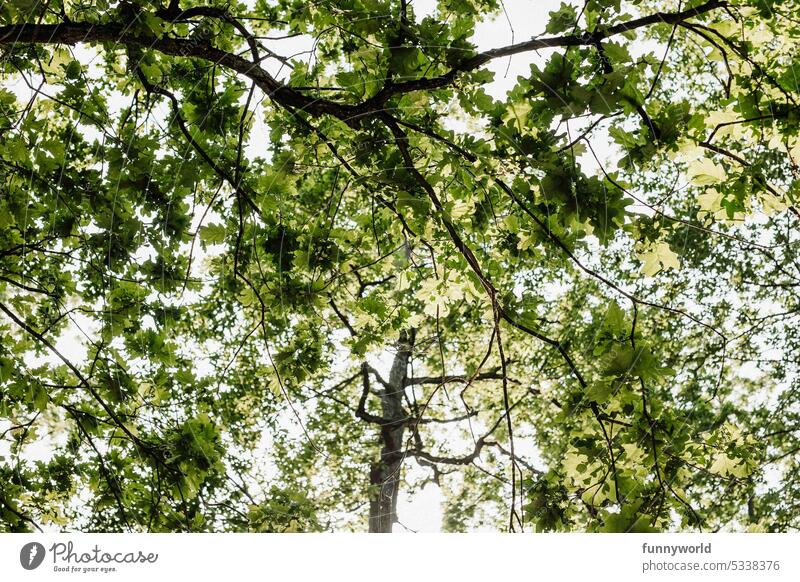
[{"x": 400, "y": 557}]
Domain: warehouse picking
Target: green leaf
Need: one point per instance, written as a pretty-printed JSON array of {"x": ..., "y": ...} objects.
[
  {"x": 213, "y": 233},
  {"x": 563, "y": 19}
]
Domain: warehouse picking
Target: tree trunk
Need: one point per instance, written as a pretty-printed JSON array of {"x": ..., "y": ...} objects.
[{"x": 384, "y": 475}]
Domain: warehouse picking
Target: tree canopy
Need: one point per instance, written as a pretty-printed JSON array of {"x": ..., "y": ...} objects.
[{"x": 244, "y": 289}]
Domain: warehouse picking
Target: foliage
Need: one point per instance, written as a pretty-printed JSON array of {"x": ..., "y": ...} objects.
[{"x": 211, "y": 252}]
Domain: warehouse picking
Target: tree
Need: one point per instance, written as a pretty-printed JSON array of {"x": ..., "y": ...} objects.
[{"x": 242, "y": 290}]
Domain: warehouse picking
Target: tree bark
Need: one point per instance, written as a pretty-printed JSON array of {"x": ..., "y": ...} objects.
[{"x": 384, "y": 475}]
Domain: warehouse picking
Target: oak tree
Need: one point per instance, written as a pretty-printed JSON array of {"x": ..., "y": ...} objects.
[{"x": 244, "y": 289}]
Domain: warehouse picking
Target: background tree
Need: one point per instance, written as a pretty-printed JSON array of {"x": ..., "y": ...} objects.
[{"x": 244, "y": 290}]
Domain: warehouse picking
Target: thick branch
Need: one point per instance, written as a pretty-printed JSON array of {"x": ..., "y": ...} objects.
[{"x": 119, "y": 33}]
